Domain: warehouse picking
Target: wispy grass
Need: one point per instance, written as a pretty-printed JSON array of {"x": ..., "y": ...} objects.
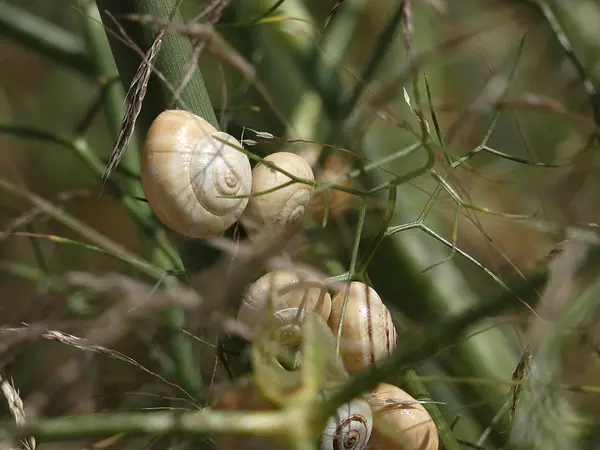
[{"x": 409, "y": 162}]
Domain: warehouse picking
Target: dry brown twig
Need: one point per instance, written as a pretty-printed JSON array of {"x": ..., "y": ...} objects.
[
  {"x": 135, "y": 98},
  {"x": 15, "y": 405},
  {"x": 136, "y": 300},
  {"x": 218, "y": 46},
  {"x": 30, "y": 216},
  {"x": 81, "y": 344}
]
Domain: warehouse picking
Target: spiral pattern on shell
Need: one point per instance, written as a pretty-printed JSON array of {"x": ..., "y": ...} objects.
[
  {"x": 282, "y": 207},
  {"x": 186, "y": 169},
  {"x": 401, "y": 423},
  {"x": 368, "y": 332},
  {"x": 293, "y": 293},
  {"x": 350, "y": 428}
]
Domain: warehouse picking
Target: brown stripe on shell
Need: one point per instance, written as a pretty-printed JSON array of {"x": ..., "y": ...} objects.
[
  {"x": 394, "y": 335},
  {"x": 370, "y": 337},
  {"x": 388, "y": 331}
]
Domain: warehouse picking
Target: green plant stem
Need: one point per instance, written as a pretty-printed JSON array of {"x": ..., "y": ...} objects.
[
  {"x": 92, "y": 235},
  {"x": 163, "y": 254},
  {"x": 579, "y": 23},
  {"x": 105, "y": 69},
  {"x": 114, "y": 111},
  {"x": 576, "y": 27},
  {"x": 277, "y": 423},
  {"x": 45, "y": 38},
  {"x": 440, "y": 295},
  {"x": 418, "y": 390},
  {"x": 144, "y": 424},
  {"x": 171, "y": 61}
]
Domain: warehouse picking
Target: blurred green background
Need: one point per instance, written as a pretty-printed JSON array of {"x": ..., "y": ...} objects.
[{"x": 545, "y": 117}]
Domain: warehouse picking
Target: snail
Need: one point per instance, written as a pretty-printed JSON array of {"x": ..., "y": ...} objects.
[
  {"x": 186, "y": 170},
  {"x": 401, "y": 423},
  {"x": 338, "y": 202},
  {"x": 283, "y": 207},
  {"x": 350, "y": 428},
  {"x": 368, "y": 333},
  {"x": 293, "y": 292}
]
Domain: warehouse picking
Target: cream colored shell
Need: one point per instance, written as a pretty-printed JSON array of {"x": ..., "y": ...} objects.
[
  {"x": 350, "y": 428},
  {"x": 185, "y": 172},
  {"x": 368, "y": 333},
  {"x": 293, "y": 292},
  {"x": 400, "y": 422},
  {"x": 282, "y": 207}
]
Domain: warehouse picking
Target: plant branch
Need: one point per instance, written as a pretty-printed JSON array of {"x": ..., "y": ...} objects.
[
  {"x": 197, "y": 423},
  {"x": 172, "y": 60}
]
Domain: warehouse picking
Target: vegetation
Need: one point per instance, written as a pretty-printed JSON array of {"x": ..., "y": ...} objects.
[{"x": 455, "y": 146}]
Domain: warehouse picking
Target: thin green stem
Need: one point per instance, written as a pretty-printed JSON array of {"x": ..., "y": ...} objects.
[
  {"x": 418, "y": 390},
  {"x": 351, "y": 272},
  {"x": 389, "y": 214},
  {"x": 90, "y": 234}
]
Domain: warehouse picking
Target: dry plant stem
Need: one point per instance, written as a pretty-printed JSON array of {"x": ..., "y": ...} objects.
[
  {"x": 15, "y": 405},
  {"x": 164, "y": 256},
  {"x": 310, "y": 412},
  {"x": 105, "y": 69},
  {"x": 137, "y": 301},
  {"x": 569, "y": 297},
  {"x": 95, "y": 237}
]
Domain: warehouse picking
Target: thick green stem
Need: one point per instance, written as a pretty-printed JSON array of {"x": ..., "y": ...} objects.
[
  {"x": 171, "y": 63},
  {"x": 172, "y": 60},
  {"x": 114, "y": 107},
  {"x": 199, "y": 423}
]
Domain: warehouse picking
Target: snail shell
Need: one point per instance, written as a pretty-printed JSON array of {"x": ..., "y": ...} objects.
[
  {"x": 185, "y": 172},
  {"x": 368, "y": 333},
  {"x": 335, "y": 167},
  {"x": 401, "y": 423},
  {"x": 283, "y": 207},
  {"x": 293, "y": 293},
  {"x": 350, "y": 428}
]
